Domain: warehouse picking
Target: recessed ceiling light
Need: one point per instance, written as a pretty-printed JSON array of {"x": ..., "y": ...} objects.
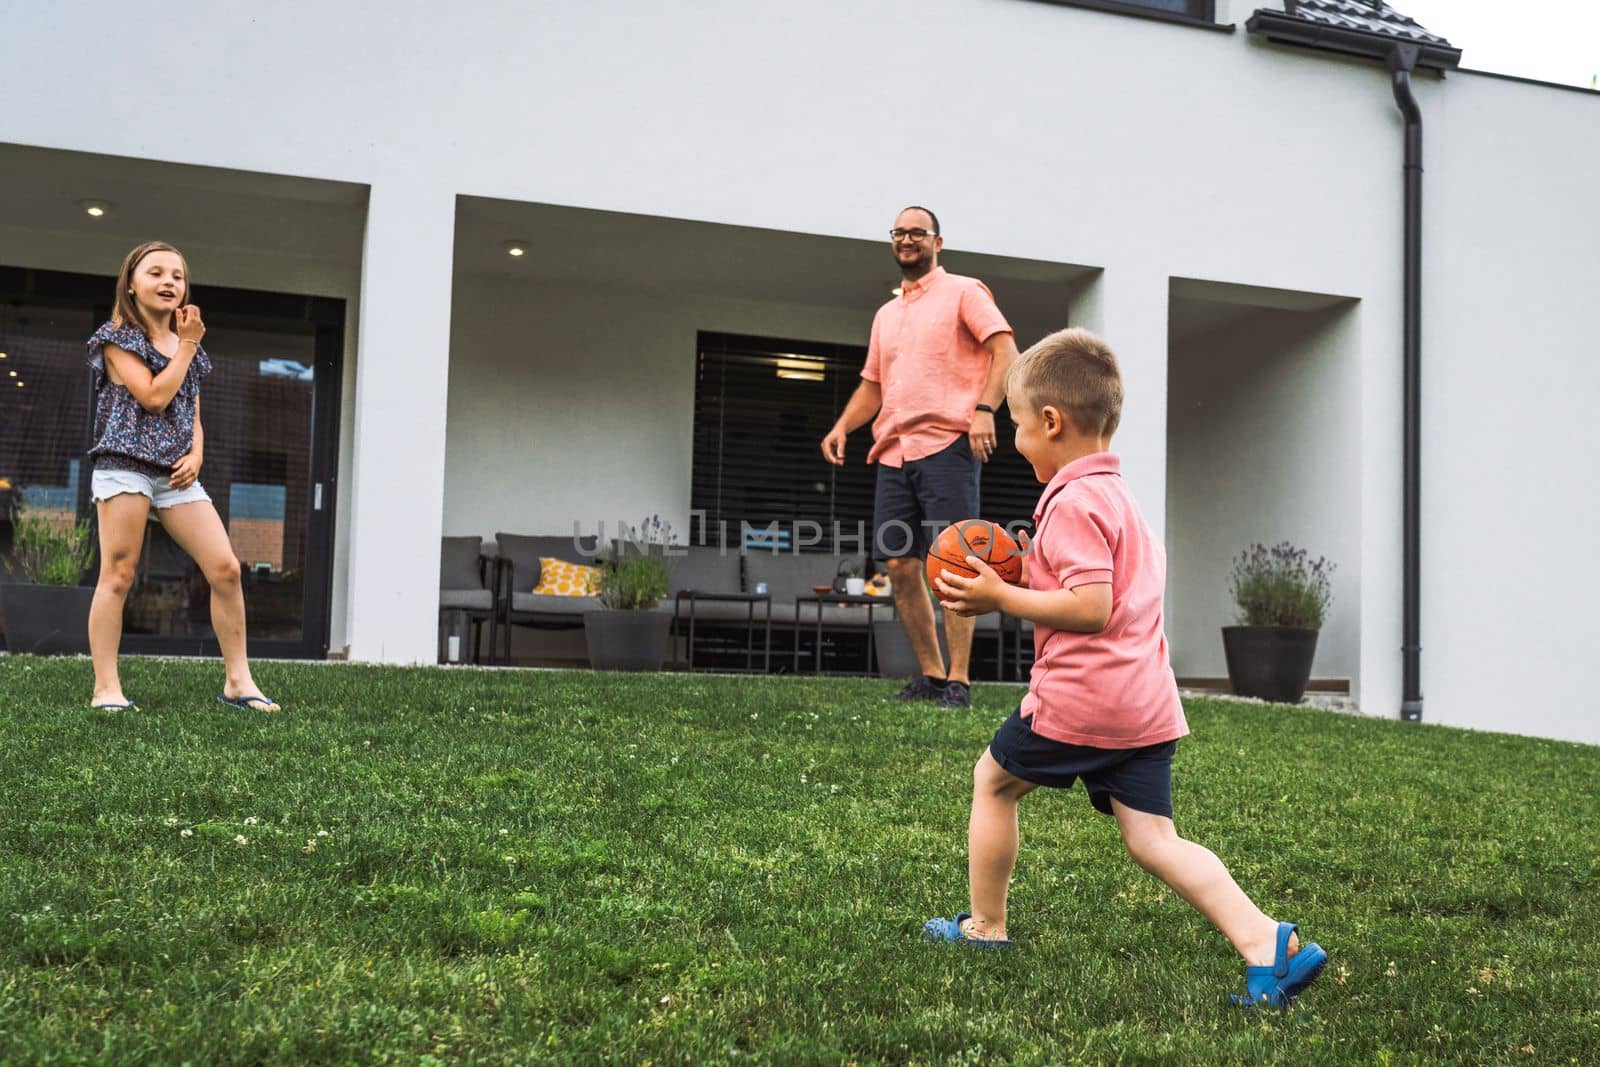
[
  {"x": 801, "y": 375},
  {"x": 516, "y": 248},
  {"x": 96, "y": 209},
  {"x": 19, "y": 385},
  {"x": 12, "y": 373},
  {"x": 2, "y": 355}
]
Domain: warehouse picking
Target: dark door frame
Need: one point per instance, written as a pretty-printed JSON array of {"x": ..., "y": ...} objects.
[{"x": 239, "y": 308}]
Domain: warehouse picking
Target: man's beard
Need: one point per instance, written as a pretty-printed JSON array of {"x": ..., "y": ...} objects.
[{"x": 920, "y": 265}]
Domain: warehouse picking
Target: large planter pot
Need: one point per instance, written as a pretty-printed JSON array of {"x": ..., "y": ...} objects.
[
  {"x": 1270, "y": 662},
  {"x": 891, "y": 648},
  {"x": 47, "y": 620},
  {"x": 626, "y": 640}
]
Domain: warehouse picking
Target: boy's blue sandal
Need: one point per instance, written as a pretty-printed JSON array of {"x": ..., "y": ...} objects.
[
  {"x": 1277, "y": 986},
  {"x": 249, "y": 703},
  {"x": 949, "y": 930}
]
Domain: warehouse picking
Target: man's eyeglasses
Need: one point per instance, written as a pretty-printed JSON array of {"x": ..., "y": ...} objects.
[{"x": 916, "y": 235}]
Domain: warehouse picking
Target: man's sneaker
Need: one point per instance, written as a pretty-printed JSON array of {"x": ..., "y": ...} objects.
[
  {"x": 922, "y": 688},
  {"x": 956, "y": 695}
]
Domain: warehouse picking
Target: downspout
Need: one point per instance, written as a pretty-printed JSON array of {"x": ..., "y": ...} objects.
[{"x": 1402, "y": 60}]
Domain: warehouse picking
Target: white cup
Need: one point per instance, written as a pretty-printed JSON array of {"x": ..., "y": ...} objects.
[{"x": 855, "y": 586}]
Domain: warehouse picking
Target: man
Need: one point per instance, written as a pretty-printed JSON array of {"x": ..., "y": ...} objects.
[{"x": 935, "y": 372}]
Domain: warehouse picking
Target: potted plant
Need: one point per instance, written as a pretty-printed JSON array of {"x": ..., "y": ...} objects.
[
  {"x": 627, "y": 635},
  {"x": 46, "y": 610},
  {"x": 1282, "y": 596}
]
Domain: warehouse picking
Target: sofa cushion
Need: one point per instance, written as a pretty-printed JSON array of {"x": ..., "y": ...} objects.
[
  {"x": 557, "y": 577},
  {"x": 789, "y": 575},
  {"x": 554, "y": 605},
  {"x": 470, "y": 599},
  {"x": 703, "y": 568},
  {"x": 522, "y": 552},
  {"x": 459, "y": 563}
]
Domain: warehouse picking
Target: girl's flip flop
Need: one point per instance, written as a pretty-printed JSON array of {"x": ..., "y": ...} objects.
[
  {"x": 129, "y": 706},
  {"x": 249, "y": 703}
]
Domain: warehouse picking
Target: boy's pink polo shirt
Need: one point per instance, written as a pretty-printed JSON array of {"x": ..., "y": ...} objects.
[
  {"x": 927, "y": 354},
  {"x": 1112, "y": 689}
]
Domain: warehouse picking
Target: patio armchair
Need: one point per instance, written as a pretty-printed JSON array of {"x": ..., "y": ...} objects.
[
  {"x": 517, "y": 573},
  {"x": 466, "y": 586}
]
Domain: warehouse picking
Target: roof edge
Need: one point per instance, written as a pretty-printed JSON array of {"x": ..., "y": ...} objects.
[{"x": 1287, "y": 29}]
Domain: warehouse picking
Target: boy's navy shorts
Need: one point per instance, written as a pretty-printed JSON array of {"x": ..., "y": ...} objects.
[
  {"x": 1139, "y": 777},
  {"x": 914, "y": 502}
]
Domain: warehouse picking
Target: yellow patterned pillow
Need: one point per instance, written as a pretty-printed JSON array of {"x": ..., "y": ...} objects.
[{"x": 557, "y": 577}]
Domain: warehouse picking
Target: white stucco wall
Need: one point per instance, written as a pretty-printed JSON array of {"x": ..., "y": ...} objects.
[
  {"x": 1148, "y": 150},
  {"x": 576, "y": 403},
  {"x": 1511, "y": 387},
  {"x": 1263, "y": 447}
]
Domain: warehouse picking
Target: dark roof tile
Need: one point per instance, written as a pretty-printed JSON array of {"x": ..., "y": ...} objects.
[{"x": 1370, "y": 16}]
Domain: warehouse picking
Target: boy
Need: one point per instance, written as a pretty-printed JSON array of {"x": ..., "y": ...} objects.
[{"x": 1102, "y": 704}]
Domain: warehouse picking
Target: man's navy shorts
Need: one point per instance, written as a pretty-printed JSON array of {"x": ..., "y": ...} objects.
[
  {"x": 915, "y": 501},
  {"x": 1139, "y": 777}
]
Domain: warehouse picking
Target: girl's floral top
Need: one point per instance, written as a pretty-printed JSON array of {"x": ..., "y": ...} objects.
[{"x": 126, "y": 436}]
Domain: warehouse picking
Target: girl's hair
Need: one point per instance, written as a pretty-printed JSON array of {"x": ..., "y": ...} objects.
[{"x": 126, "y": 310}]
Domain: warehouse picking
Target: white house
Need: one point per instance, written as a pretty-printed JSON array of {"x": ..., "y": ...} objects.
[{"x": 1216, "y": 186}]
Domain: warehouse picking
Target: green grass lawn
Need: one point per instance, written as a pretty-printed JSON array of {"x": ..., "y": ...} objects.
[{"x": 469, "y": 866}]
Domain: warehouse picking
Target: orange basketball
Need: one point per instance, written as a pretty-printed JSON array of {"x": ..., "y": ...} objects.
[{"x": 975, "y": 537}]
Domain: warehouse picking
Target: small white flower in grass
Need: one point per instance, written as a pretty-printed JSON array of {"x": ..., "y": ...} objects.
[
  {"x": 240, "y": 839},
  {"x": 1391, "y": 972},
  {"x": 802, "y": 779},
  {"x": 754, "y": 715},
  {"x": 665, "y": 999},
  {"x": 509, "y": 859},
  {"x": 322, "y": 833},
  {"x": 186, "y": 832},
  {"x": 310, "y": 846},
  {"x": 172, "y": 820},
  {"x": 504, "y": 831},
  {"x": 251, "y": 820},
  {"x": 366, "y": 744}
]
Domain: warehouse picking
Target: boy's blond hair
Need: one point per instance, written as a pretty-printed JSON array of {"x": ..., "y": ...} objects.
[{"x": 1075, "y": 372}]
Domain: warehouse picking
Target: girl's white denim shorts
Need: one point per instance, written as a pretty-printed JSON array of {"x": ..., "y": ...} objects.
[{"x": 107, "y": 484}]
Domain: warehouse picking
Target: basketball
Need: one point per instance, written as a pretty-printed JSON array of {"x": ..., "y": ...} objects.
[{"x": 975, "y": 537}]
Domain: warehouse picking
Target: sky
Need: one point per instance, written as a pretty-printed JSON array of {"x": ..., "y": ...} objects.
[{"x": 1550, "y": 40}]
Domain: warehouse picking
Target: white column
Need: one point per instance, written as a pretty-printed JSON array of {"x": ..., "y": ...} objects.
[
  {"x": 1127, "y": 306},
  {"x": 402, "y": 368}
]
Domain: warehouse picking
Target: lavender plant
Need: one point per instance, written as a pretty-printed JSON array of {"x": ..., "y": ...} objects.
[
  {"x": 1281, "y": 586},
  {"x": 636, "y": 580}
]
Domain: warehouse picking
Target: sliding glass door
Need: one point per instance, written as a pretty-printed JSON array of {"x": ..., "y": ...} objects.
[{"x": 269, "y": 410}]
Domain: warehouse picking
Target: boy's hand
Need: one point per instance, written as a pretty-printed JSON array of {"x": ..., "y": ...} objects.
[{"x": 971, "y": 596}]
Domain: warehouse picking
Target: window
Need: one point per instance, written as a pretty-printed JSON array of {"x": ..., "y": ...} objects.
[{"x": 761, "y": 408}]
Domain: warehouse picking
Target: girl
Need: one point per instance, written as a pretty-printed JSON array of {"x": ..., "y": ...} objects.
[{"x": 148, "y": 365}]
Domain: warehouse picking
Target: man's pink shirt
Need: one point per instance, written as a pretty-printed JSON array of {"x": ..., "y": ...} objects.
[
  {"x": 1112, "y": 689},
  {"x": 927, "y": 354}
]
